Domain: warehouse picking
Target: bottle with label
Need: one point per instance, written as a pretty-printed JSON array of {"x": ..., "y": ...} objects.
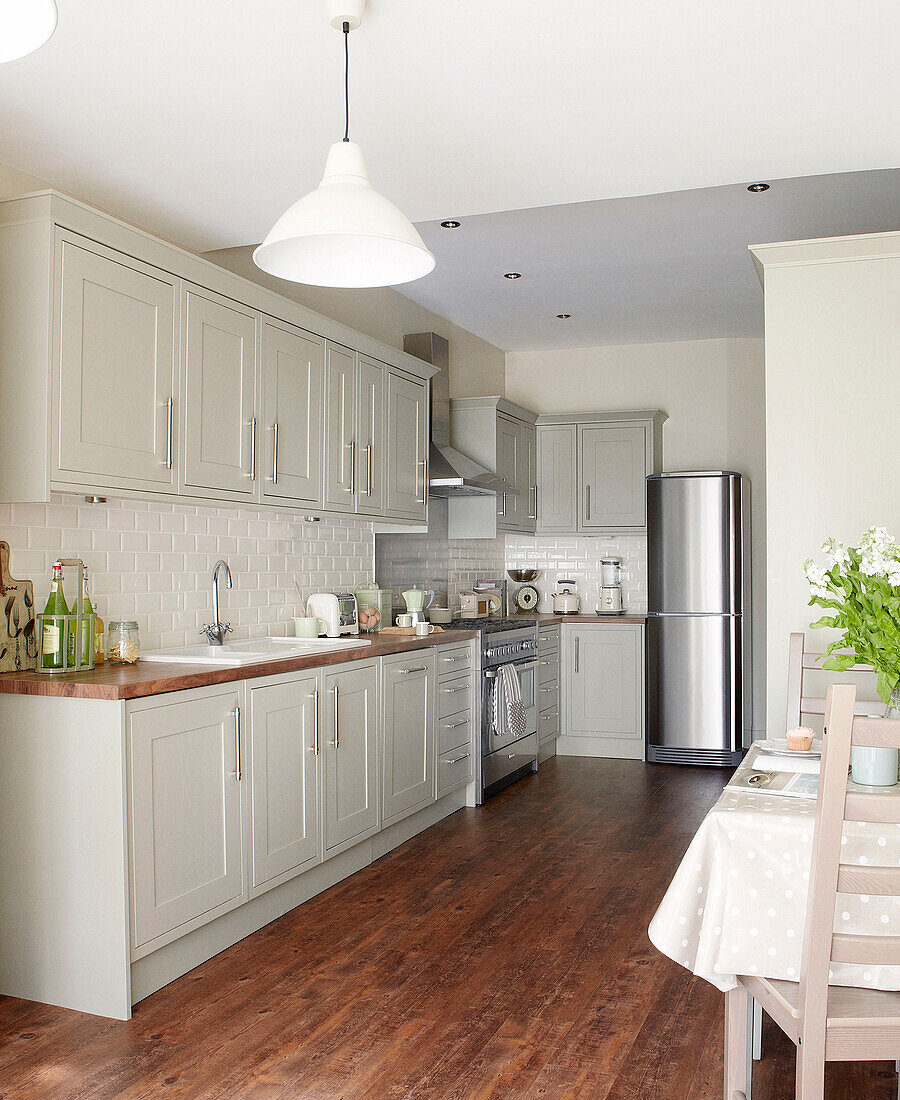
[
  {"x": 54, "y": 640},
  {"x": 88, "y": 611}
]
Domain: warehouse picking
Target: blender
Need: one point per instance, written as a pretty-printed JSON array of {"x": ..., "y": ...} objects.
[{"x": 611, "y": 602}]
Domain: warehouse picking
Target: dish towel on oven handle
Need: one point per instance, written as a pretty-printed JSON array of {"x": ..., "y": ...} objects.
[{"x": 509, "y": 710}]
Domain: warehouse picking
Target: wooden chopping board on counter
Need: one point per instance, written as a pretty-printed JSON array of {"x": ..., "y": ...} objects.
[
  {"x": 18, "y": 642},
  {"x": 408, "y": 631}
]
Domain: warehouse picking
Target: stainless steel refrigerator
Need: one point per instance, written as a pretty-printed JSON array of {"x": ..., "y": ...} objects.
[{"x": 698, "y": 637}]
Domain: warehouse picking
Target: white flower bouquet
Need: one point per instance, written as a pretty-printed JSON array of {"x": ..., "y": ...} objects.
[{"x": 860, "y": 585}]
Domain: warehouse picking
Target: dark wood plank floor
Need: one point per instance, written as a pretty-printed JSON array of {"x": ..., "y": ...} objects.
[{"x": 501, "y": 954}]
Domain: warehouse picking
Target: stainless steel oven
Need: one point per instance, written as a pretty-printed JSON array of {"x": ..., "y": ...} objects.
[{"x": 506, "y": 757}]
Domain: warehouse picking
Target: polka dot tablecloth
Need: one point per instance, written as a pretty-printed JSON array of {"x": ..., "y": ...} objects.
[{"x": 737, "y": 902}]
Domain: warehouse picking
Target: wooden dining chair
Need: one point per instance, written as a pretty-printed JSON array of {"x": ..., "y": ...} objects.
[
  {"x": 830, "y": 1023},
  {"x": 801, "y": 662}
]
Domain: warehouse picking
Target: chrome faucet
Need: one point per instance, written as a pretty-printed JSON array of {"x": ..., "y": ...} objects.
[{"x": 215, "y": 633}]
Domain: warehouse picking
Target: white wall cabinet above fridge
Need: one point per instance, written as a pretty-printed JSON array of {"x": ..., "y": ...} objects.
[
  {"x": 592, "y": 470},
  {"x": 131, "y": 367}
]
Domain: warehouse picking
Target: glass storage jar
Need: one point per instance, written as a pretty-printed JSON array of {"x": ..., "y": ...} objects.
[
  {"x": 368, "y": 599},
  {"x": 123, "y": 643}
]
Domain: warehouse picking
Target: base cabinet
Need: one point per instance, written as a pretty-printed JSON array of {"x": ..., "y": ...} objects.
[
  {"x": 185, "y": 785},
  {"x": 284, "y": 780},
  {"x": 408, "y": 691},
  {"x": 350, "y": 736}
]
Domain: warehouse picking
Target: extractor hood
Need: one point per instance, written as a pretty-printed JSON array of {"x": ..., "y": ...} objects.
[{"x": 451, "y": 473}]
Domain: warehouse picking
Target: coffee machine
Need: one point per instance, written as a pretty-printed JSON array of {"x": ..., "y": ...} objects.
[{"x": 611, "y": 602}]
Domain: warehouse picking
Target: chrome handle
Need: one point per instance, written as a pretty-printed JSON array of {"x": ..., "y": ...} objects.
[
  {"x": 450, "y": 691},
  {"x": 275, "y": 453},
  {"x": 337, "y": 718},
  {"x": 587, "y": 502},
  {"x": 368, "y": 469},
  {"x": 237, "y": 743},
  {"x": 453, "y": 660},
  {"x": 547, "y": 717},
  {"x": 502, "y": 511},
  {"x": 547, "y": 691},
  {"x": 424, "y": 498},
  {"x": 576, "y": 653},
  {"x": 415, "y": 668},
  {"x": 458, "y": 759},
  {"x": 512, "y": 755},
  {"x": 170, "y": 408},
  {"x": 352, "y": 446},
  {"x": 315, "y": 696},
  {"x": 253, "y": 448},
  {"x": 532, "y": 489},
  {"x": 461, "y": 722}
]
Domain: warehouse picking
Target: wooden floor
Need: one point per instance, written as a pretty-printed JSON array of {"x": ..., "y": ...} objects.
[{"x": 501, "y": 954}]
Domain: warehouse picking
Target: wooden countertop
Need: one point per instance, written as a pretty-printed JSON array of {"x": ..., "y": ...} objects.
[{"x": 155, "y": 678}]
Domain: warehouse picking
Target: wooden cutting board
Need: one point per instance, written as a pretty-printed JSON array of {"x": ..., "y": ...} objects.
[
  {"x": 18, "y": 642},
  {"x": 408, "y": 631}
]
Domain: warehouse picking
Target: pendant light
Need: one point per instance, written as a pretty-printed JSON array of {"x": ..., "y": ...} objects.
[
  {"x": 25, "y": 25},
  {"x": 344, "y": 234}
]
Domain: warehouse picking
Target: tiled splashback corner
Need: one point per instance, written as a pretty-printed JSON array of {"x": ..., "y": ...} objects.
[
  {"x": 152, "y": 562},
  {"x": 447, "y": 566},
  {"x": 578, "y": 558}
]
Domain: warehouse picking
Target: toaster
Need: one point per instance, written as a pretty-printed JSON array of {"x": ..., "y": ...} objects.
[{"x": 337, "y": 613}]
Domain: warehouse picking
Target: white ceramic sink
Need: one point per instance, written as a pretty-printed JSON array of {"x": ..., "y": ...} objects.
[{"x": 252, "y": 652}]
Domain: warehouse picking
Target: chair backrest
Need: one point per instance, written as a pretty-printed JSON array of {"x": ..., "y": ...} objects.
[
  {"x": 798, "y": 704},
  {"x": 828, "y": 874}
]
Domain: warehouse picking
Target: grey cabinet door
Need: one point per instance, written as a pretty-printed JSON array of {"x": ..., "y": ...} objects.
[
  {"x": 350, "y": 739},
  {"x": 370, "y": 437},
  {"x": 613, "y": 464},
  {"x": 408, "y": 683},
  {"x": 407, "y": 442},
  {"x": 557, "y": 479},
  {"x": 508, "y": 503},
  {"x": 605, "y": 681},
  {"x": 220, "y": 444},
  {"x": 526, "y": 478},
  {"x": 284, "y": 754},
  {"x": 116, "y": 379},
  {"x": 185, "y": 808},
  {"x": 340, "y": 428},
  {"x": 292, "y": 433}
]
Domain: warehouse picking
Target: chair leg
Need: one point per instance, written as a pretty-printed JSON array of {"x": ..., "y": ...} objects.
[
  {"x": 810, "y": 1072},
  {"x": 757, "y": 1031},
  {"x": 737, "y": 1052}
]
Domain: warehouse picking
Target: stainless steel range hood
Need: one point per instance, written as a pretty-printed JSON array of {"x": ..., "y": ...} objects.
[{"x": 451, "y": 473}]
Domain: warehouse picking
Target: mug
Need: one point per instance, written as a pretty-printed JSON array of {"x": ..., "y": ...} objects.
[
  {"x": 873, "y": 767},
  {"x": 424, "y": 629},
  {"x": 305, "y": 627},
  {"x": 404, "y": 619}
]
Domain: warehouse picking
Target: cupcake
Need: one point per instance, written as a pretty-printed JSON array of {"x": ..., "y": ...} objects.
[{"x": 800, "y": 739}]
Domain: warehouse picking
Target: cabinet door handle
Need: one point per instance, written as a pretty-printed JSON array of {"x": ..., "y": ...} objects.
[
  {"x": 275, "y": 453},
  {"x": 450, "y": 691},
  {"x": 315, "y": 696},
  {"x": 237, "y": 743},
  {"x": 503, "y": 504},
  {"x": 533, "y": 513},
  {"x": 170, "y": 411},
  {"x": 337, "y": 718},
  {"x": 453, "y": 660},
  {"x": 547, "y": 691},
  {"x": 253, "y": 448},
  {"x": 368, "y": 469},
  {"x": 461, "y": 722},
  {"x": 424, "y": 498},
  {"x": 577, "y": 640},
  {"x": 415, "y": 668},
  {"x": 587, "y": 502},
  {"x": 458, "y": 759},
  {"x": 352, "y": 446}
]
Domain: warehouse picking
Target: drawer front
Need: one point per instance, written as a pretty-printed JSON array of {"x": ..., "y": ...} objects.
[
  {"x": 548, "y": 640},
  {"x": 454, "y": 769},
  {"x": 548, "y": 669},
  {"x": 548, "y": 724},
  {"x": 548, "y": 697},
  {"x": 452, "y": 660},
  {"x": 454, "y": 696},
  {"x": 455, "y": 732}
]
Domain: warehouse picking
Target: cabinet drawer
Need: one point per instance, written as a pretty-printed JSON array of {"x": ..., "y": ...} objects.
[
  {"x": 548, "y": 640},
  {"x": 548, "y": 724},
  {"x": 454, "y": 769},
  {"x": 454, "y": 696},
  {"x": 453, "y": 660},
  {"x": 548, "y": 669},
  {"x": 548, "y": 697},
  {"x": 455, "y": 731}
]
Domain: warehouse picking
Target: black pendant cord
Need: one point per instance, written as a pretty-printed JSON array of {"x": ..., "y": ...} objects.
[{"x": 346, "y": 81}]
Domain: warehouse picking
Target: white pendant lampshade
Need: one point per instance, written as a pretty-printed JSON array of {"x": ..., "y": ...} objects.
[
  {"x": 25, "y": 25},
  {"x": 344, "y": 233}
]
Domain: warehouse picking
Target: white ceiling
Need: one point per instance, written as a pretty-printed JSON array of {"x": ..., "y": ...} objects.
[{"x": 204, "y": 119}]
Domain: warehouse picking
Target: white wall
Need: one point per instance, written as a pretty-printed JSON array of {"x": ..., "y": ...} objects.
[
  {"x": 714, "y": 394},
  {"x": 832, "y": 395}
]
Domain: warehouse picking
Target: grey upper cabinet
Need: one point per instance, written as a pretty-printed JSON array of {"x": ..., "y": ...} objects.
[
  {"x": 340, "y": 429},
  {"x": 370, "y": 473},
  {"x": 592, "y": 470},
  {"x": 407, "y": 447},
  {"x": 293, "y": 423},
  {"x": 349, "y": 724},
  {"x": 408, "y": 684},
  {"x": 116, "y": 377},
  {"x": 526, "y": 478},
  {"x": 613, "y": 477},
  {"x": 557, "y": 478},
  {"x": 508, "y": 503},
  {"x": 283, "y": 755},
  {"x": 220, "y": 423}
]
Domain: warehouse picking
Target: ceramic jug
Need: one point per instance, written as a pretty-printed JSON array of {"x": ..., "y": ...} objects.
[{"x": 416, "y": 598}]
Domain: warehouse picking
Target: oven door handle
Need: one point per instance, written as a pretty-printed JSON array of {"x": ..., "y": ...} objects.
[{"x": 491, "y": 674}]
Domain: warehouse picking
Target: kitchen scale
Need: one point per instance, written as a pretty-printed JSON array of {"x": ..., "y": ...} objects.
[{"x": 524, "y": 598}]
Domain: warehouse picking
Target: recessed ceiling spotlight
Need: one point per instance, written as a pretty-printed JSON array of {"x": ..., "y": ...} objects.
[
  {"x": 513, "y": 275},
  {"x": 451, "y": 224},
  {"x": 756, "y": 188},
  {"x": 563, "y": 316}
]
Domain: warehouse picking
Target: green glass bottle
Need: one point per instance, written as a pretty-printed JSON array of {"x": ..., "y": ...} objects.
[
  {"x": 88, "y": 611},
  {"x": 54, "y": 638}
]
